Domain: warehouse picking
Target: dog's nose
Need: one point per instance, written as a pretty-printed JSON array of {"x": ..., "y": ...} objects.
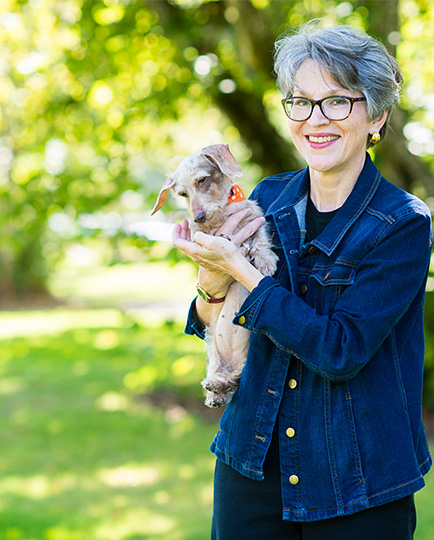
[{"x": 200, "y": 218}]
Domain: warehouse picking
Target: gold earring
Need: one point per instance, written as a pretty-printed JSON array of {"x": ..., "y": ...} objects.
[{"x": 375, "y": 137}]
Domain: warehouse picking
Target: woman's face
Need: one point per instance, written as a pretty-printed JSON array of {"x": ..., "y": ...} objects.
[{"x": 331, "y": 147}]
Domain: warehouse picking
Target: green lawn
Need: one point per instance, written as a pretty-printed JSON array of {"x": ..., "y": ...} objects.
[
  {"x": 84, "y": 456},
  {"x": 102, "y": 428}
]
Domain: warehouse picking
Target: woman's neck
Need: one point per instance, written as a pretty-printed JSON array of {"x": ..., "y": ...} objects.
[{"x": 329, "y": 191}]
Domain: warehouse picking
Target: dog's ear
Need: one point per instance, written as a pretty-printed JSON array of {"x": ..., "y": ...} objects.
[
  {"x": 220, "y": 155},
  {"x": 168, "y": 184}
]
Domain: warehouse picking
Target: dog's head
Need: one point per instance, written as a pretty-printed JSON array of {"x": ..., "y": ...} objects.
[{"x": 203, "y": 179}]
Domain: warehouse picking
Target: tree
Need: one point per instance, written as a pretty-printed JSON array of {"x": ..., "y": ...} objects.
[{"x": 101, "y": 98}]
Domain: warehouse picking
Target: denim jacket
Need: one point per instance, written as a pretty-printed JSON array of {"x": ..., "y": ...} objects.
[{"x": 336, "y": 351}]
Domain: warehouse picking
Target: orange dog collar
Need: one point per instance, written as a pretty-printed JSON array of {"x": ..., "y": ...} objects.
[{"x": 236, "y": 194}]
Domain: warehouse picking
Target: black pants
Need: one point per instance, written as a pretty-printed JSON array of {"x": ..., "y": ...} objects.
[{"x": 246, "y": 509}]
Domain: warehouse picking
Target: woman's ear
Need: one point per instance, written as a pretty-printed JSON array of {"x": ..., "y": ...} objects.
[{"x": 378, "y": 122}]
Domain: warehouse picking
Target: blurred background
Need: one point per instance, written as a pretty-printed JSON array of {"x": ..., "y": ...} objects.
[{"x": 103, "y": 433}]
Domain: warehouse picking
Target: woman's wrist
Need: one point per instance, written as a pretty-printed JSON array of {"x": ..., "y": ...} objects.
[
  {"x": 207, "y": 297},
  {"x": 215, "y": 284},
  {"x": 246, "y": 274}
]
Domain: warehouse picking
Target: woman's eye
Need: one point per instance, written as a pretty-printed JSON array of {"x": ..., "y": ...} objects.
[{"x": 338, "y": 102}]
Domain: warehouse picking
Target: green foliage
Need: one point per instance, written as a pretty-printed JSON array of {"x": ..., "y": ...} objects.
[{"x": 100, "y": 99}]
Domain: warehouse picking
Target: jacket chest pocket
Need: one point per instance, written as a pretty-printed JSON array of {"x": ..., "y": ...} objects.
[
  {"x": 331, "y": 281},
  {"x": 273, "y": 235}
]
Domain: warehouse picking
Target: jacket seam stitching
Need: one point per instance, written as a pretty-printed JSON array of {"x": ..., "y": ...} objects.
[
  {"x": 377, "y": 213},
  {"x": 373, "y": 188},
  {"x": 364, "y": 499}
]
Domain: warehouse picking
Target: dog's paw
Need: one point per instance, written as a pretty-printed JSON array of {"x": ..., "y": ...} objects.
[
  {"x": 214, "y": 401},
  {"x": 266, "y": 262},
  {"x": 209, "y": 385},
  {"x": 212, "y": 386},
  {"x": 218, "y": 387}
]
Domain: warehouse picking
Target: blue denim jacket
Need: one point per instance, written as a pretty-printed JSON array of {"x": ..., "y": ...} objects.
[{"x": 336, "y": 351}]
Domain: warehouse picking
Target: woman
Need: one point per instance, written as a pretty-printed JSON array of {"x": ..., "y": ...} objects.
[{"x": 323, "y": 438}]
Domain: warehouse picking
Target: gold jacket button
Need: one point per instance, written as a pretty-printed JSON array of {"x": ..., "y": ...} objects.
[
  {"x": 290, "y": 432},
  {"x": 242, "y": 320},
  {"x": 292, "y": 383},
  {"x": 294, "y": 480}
]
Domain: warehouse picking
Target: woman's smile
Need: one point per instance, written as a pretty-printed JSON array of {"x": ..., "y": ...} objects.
[{"x": 321, "y": 140}]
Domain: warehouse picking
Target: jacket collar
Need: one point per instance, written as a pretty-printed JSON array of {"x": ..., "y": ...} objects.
[{"x": 358, "y": 200}]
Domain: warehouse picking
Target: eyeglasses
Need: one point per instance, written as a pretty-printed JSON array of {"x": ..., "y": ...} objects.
[{"x": 300, "y": 109}]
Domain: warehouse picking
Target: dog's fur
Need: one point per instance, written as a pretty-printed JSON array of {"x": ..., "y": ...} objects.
[{"x": 203, "y": 179}]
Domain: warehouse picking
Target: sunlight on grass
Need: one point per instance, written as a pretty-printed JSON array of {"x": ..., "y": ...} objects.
[
  {"x": 37, "y": 323},
  {"x": 36, "y": 487},
  {"x": 112, "y": 401},
  {"x": 126, "y": 285},
  {"x": 10, "y": 385},
  {"x": 139, "y": 522},
  {"x": 127, "y": 476}
]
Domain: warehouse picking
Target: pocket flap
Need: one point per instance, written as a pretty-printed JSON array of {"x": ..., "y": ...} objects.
[{"x": 340, "y": 273}]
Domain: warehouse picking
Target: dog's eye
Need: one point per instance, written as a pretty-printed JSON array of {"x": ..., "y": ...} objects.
[
  {"x": 183, "y": 194},
  {"x": 201, "y": 181}
]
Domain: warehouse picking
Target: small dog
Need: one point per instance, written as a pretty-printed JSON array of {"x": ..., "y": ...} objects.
[{"x": 203, "y": 179}]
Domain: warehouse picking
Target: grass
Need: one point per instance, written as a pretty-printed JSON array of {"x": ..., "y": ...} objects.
[
  {"x": 84, "y": 456},
  {"x": 101, "y": 424}
]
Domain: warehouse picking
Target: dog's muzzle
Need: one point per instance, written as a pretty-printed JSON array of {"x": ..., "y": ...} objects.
[{"x": 200, "y": 218}]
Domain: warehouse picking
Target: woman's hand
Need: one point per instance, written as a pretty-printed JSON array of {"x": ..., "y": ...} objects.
[{"x": 218, "y": 257}]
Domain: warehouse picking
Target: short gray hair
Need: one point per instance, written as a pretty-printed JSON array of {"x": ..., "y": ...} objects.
[{"x": 354, "y": 59}]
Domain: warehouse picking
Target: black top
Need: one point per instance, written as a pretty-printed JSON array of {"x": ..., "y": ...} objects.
[{"x": 316, "y": 221}]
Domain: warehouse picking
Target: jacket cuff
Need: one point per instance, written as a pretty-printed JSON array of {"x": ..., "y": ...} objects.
[
  {"x": 246, "y": 315},
  {"x": 194, "y": 327}
]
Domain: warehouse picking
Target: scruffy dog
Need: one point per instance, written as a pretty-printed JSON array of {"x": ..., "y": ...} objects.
[{"x": 203, "y": 179}]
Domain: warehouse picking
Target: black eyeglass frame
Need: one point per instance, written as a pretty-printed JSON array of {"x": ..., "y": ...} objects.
[{"x": 319, "y": 102}]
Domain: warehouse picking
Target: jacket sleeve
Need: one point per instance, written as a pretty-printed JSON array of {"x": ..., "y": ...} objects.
[
  {"x": 193, "y": 326},
  {"x": 337, "y": 346}
]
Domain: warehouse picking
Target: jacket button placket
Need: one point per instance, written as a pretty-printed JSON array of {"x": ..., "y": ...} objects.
[
  {"x": 290, "y": 469},
  {"x": 291, "y": 479}
]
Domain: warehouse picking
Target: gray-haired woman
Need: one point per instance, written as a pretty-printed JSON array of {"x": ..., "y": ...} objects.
[{"x": 323, "y": 440}]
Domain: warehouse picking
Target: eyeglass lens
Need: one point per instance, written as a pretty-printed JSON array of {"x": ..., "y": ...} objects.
[{"x": 334, "y": 108}]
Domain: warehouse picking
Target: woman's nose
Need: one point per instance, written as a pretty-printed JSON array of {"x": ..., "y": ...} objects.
[{"x": 317, "y": 117}]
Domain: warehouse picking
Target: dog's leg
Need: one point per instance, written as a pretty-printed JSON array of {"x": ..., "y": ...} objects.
[
  {"x": 264, "y": 258},
  {"x": 227, "y": 347},
  {"x": 215, "y": 395}
]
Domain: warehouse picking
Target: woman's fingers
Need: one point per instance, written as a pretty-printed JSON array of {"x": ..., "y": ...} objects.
[
  {"x": 217, "y": 246},
  {"x": 233, "y": 222},
  {"x": 185, "y": 230},
  {"x": 181, "y": 235},
  {"x": 247, "y": 231}
]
